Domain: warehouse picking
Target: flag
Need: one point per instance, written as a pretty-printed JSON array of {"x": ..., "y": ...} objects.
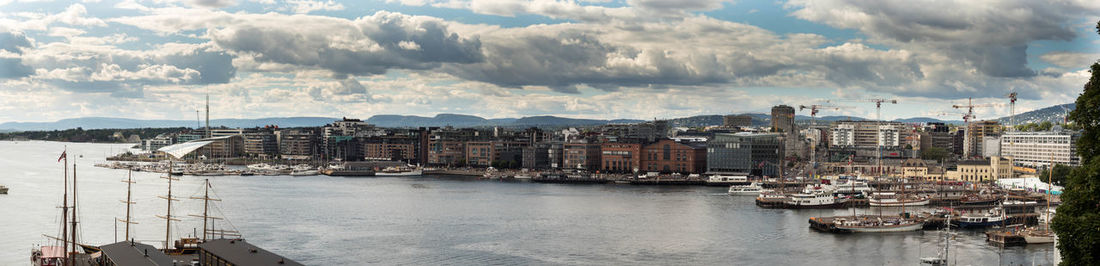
[{"x": 62, "y": 156}]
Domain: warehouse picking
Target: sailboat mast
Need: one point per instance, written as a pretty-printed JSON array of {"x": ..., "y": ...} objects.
[
  {"x": 205, "y": 207},
  {"x": 73, "y": 221},
  {"x": 168, "y": 216},
  {"x": 65, "y": 207},
  {"x": 129, "y": 183},
  {"x": 1050, "y": 194}
]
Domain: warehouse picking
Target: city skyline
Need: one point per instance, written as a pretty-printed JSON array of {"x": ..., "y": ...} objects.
[{"x": 587, "y": 59}]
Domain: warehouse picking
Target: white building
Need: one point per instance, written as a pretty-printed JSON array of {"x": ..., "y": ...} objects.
[
  {"x": 991, "y": 146},
  {"x": 1037, "y": 149},
  {"x": 844, "y": 135},
  {"x": 888, "y": 136}
]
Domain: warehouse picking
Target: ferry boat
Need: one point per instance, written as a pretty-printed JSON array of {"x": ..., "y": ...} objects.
[
  {"x": 853, "y": 187},
  {"x": 989, "y": 218},
  {"x": 746, "y": 190},
  {"x": 891, "y": 199},
  {"x": 399, "y": 171},
  {"x": 770, "y": 199},
  {"x": 813, "y": 200},
  {"x": 727, "y": 180}
]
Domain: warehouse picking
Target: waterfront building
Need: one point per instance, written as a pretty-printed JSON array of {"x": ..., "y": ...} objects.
[
  {"x": 262, "y": 143},
  {"x": 232, "y": 252},
  {"x": 670, "y": 156},
  {"x": 581, "y": 155},
  {"x": 991, "y": 146},
  {"x": 185, "y": 137},
  {"x": 299, "y": 144},
  {"x": 975, "y": 133},
  {"x": 132, "y": 253},
  {"x": 621, "y": 157},
  {"x": 390, "y": 148},
  {"x": 446, "y": 152},
  {"x": 1035, "y": 149},
  {"x": 737, "y": 121},
  {"x": 556, "y": 155},
  {"x": 744, "y": 153},
  {"x": 982, "y": 170},
  {"x": 647, "y": 131},
  {"x": 160, "y": 141},
  {"x": 539, "y": 155},
  {"x": 479, "y": 153}
]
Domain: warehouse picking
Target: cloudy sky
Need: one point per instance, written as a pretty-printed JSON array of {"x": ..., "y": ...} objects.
[{"x": 502, "y": 58}]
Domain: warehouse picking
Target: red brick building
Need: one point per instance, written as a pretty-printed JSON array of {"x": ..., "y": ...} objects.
[
  {"x": 670, "y": 156},
  {"x": 446, "y": 152},
  {"x": 581, "y": 156},
  {"x": 620, "y": 157}
]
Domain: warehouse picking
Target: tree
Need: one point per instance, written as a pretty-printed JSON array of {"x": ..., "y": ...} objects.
[
  {"x": 1060, "y": 173},
  {"x": 933, "y": 153},
  {"x": 1078, "y": 220}
]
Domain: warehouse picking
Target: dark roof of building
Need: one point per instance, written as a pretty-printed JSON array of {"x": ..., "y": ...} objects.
[
  {"x": 239, "y": 252},
  {"x": 974, "y": 162},
  {"x": 128, "y": 253}
]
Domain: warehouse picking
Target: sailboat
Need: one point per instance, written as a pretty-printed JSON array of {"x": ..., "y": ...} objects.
[
  {"x": 943, "y": 256},
  {"x": 67, "y": 253},
  {"x": 1042, "y": 235}
]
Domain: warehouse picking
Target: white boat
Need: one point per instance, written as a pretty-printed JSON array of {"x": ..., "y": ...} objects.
[
  {"x": 393, "y": 171},
  {"x": 522, "y": 176},
  {"x": 1038, "y": 236},
  {"x": 746, "y": 190},
  {"x": 727, "y": 180},
  {"x": 303, "y": 172},
  {"x": 813, "y": 200},
  {"x": 876, "y": 224},
  {"x": 853, "y": 187},
  {"x": 992, "y": 217},
  {"x": 891, "y": 199}
]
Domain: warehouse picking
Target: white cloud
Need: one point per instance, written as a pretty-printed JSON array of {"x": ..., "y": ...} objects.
[{"x": 307, "y": 6}]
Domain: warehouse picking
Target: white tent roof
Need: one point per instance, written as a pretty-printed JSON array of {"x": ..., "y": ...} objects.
[{"x": 181, "y": 149}]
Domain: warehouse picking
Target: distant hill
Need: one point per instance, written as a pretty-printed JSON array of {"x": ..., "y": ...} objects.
[{"x": 1053, "y": 114}]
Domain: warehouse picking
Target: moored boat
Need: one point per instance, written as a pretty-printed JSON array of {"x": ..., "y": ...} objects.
[
  {"x": 891, "y": 199},
  {"x": 399, "y": 171},
  {"x": 992, "y": 217},
  {"x": 770, "y": 199},
  {"x": 745, "y": 190},
  {"x": 727, "y": 180}
]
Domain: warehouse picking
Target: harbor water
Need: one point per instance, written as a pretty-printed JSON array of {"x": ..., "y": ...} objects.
[{"x": 430, "y": 220}]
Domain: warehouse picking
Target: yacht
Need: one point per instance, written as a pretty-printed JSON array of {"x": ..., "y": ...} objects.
[
  {"x": 727, "y": 180},
  {"x": 399, "y": 171},
  {"x": 988, "y": 218},
  {"x": 746, "y": 190},
  {"x": 814, "y": 197},
  {"x": 891, "y": 199}
]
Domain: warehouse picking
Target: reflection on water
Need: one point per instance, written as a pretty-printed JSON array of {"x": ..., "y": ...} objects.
[{"x": 432, "y": 220}]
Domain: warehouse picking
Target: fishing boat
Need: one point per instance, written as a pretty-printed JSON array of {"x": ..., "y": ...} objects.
[
  {"x": 891, "y": 199},
  {"x": 727, "y": 180},
  {"x": 991, "y": 217},
  {"x": 745, "y": 190}
]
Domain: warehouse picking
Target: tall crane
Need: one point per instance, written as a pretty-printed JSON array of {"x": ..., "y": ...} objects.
[
  {"x": 878, "y": 117},
  {"x": 1012, "y": 109},
  {"x": 813, "y": 122},
  {"x": 970, "y": 135}
]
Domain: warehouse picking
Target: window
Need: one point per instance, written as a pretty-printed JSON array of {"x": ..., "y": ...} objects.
[{"x": 667, "y": 152}]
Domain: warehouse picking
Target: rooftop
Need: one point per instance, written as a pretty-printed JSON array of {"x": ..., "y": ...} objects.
[
  {"x": 239, "y": 252},
  {"x": 132, "y": 253}
]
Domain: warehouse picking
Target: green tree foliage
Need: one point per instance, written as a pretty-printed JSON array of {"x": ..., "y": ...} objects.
[
  {"x": 933, "y": 153},
  {"x": 1061, "y": 172},
  {"x": 1078, "y": 220}
]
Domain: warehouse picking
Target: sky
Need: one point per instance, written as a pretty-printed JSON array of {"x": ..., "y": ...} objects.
[{"x": 640, "y": 59}]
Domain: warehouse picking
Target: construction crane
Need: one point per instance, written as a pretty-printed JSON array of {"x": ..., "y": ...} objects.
[
  {"x": 1012, "y": 109},
  {"x": 878, "y": 117},
  {"x": 970, "y": 108},
  {"x": 813, "y": 122}
]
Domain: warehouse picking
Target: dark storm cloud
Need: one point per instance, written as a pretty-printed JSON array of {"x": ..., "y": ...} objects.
[
  {"x": 15, "y": 43},
  {"x": 369, "y": 45}
]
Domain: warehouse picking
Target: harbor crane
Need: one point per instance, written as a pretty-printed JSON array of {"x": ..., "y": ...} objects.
[
  {"x": 813, "y": 122},
  {"x": 970, "y": 108}
]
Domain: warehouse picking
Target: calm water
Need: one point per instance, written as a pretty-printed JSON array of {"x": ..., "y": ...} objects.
[{"x": 439, "y": 220}]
